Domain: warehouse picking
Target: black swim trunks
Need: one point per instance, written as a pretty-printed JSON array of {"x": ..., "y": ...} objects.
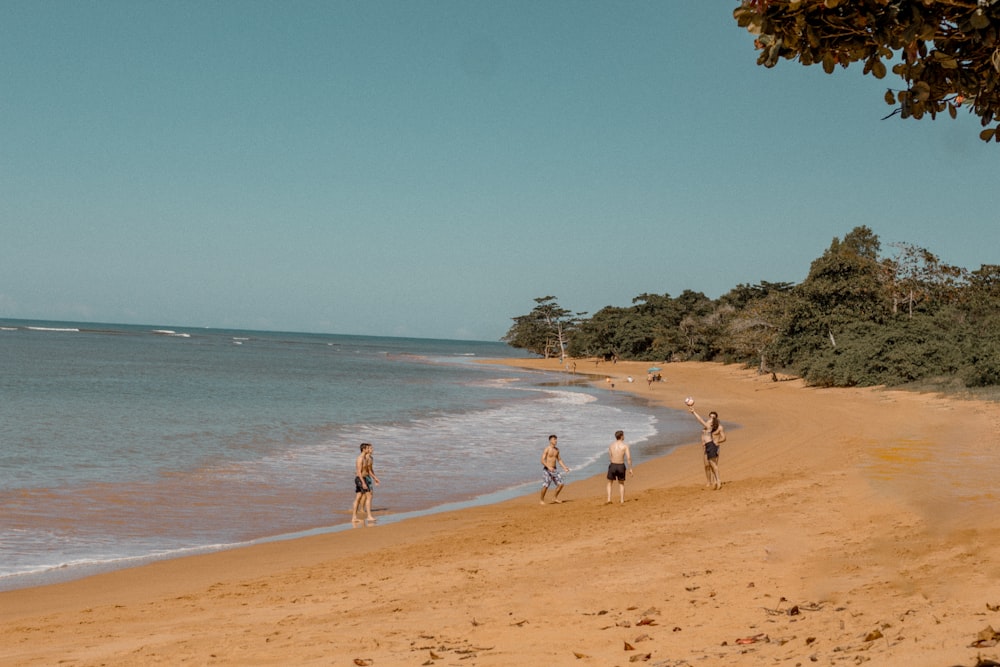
[
  {"x": 711, "y": 450},
  {"x": 359, "y": 486},
  {"x": 616, "y": 471}
]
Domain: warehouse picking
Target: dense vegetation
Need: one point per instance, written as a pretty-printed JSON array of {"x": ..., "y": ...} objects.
[
  {"x": 859, "y": 318},
  {"x": 946, "y": 52}
]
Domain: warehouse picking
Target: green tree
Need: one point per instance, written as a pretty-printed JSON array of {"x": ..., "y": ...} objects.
[
  {"x": 981, "y": 308},
  {"x": 545, "y": 331},
  {"x": 946, "y": 50},
  {"x": 598, "y": 336},
  {"x": 659, "y": 315},
  {"x": 844, "y": 286},
  {"x": 917, "y": 277},
  {"x": 743, "y": 295},
  {"x": 690, "y": 331},
  {"x": 756, "y": 325},
  {"x": 650, "y": 329},
  {"x": 981, "y": 298},
  {"x": 893, "y": 353},
  {"x": 614, "y": 332}
]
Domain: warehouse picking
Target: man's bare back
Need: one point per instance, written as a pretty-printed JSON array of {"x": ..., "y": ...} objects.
[
  {"x": 618, "y": 451},
  {"x": 620, "y": 455}
]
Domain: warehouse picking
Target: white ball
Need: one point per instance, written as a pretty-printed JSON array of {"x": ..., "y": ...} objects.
[{"x": 689, "y": 401}]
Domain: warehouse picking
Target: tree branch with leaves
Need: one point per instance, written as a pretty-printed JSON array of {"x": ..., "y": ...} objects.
[{"x": 947, "y": 52}]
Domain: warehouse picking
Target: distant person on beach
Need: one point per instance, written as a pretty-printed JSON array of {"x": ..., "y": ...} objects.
[
  {"x": 370, "y": 479},
  {"x": 361, "y": 488},
  {"x": 364, "y": 481},
  {"x": 620, "y": 455},
  {"x": 712, "y": 435},
  {"x": 550, "y": 473}
]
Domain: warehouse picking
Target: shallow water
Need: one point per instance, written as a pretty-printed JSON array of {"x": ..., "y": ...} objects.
[{"x": 126, "y": 443}]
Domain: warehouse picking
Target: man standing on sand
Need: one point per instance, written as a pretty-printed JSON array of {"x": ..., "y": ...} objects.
[
  {"x": 364, "y": 479},
  {"x": 550, "y": 474},
  {"x": 361, "y": 488},
  {"x": 370, "y": 479},
  {"x": 620, "y": 455}
]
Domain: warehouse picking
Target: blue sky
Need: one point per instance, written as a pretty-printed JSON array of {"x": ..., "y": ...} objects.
[{"x": 429, "y": 168}]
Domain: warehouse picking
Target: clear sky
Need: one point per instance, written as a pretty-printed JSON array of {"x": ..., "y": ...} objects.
[{"x": 429, "y": 168}]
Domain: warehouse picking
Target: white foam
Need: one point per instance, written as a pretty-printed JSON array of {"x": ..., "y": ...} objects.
[{"x": 170, "y": 332}]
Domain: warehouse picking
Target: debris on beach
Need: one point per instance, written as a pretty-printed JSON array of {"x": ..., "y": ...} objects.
[
  {"x": 873, "y": 635},
  {"x": 986, "y": 638},
  {"x": 794, "y": 610},
  {"x": 983, "y": 662}
]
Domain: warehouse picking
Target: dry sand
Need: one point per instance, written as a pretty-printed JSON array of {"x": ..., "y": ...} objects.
[{"x": 854, "y": 526}]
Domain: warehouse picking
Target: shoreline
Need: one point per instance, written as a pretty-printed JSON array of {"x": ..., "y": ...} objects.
[
  {"x": 589, "y": 464},
  {"x": 839, "y": 504}
]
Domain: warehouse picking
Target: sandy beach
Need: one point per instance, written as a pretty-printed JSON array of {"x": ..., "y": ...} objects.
[{"x": 853, "y": 526}]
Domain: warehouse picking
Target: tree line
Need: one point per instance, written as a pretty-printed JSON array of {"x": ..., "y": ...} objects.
[{"x": 859, "y": 318}]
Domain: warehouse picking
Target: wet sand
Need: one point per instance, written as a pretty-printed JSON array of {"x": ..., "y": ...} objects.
[{"x": 853, "y": 526}]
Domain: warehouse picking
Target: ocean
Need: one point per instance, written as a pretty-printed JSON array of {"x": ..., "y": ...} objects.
[{"x": 122, "y": 444}]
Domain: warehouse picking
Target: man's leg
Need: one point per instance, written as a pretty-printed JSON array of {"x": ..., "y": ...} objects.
[
  {"x": 354, "y": 508},
  {"x": 368, "y": 505}
]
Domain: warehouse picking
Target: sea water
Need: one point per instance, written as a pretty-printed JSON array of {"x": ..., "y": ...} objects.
[{"x": 121, "y": 444}]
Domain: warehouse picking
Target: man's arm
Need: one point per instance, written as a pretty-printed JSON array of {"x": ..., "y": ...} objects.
[
  {"x": 628, "y": 459},
  {"x": 698, "y": 417}
]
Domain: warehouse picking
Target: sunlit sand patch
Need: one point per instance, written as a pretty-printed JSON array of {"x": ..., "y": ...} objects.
[{"x": 952, "y": 483}]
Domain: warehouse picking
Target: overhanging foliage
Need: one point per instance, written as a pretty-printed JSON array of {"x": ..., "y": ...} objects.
[{"x": 946, "y": 52}]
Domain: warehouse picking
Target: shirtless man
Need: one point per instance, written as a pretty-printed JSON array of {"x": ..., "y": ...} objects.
[
  {"x": 620, "y": 455},
  {"x": 360, "y": 484},
  {"x": 370, "y": 478},
  {"x": 550, "y": 474},
  {"x": 364, "y": 479}
]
